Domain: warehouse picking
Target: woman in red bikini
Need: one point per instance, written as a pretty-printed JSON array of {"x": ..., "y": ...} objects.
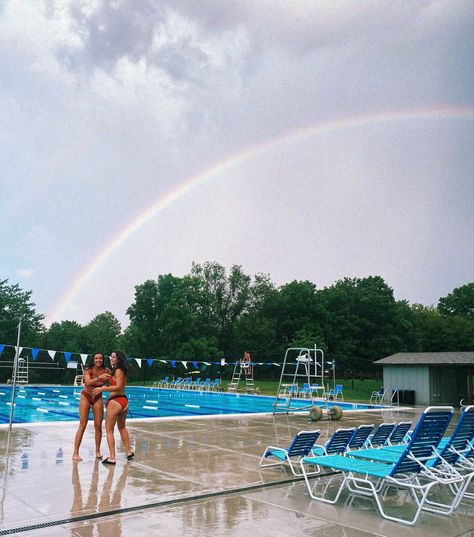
[
  {"x": 116, "y": 406},
  {"x": 95, "y": 375}
]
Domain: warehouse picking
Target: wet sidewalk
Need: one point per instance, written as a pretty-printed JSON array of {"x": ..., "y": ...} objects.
[{"x": 190, "y": 477}]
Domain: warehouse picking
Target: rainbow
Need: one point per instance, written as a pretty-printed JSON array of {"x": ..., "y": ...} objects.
[{"x": 214, "y": 170}]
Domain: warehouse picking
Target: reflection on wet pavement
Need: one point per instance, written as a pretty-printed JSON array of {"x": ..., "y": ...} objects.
[{"x": 180, "y": 460}]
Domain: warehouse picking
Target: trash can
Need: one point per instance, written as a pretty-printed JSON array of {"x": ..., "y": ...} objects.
[{"x": 406, "y": 397}]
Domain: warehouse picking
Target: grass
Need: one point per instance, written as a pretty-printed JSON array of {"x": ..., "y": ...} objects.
[{"x": 357, "y": 390}]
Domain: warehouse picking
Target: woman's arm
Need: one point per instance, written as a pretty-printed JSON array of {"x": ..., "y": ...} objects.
[
  {"x": 90, "y": 380},
  {"x": 118, "y": 387}
]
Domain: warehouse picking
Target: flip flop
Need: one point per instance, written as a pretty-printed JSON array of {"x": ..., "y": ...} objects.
[
  {"x": 131, "y": 456},
  {"x": 106, "y": 461},
  {"x": 99, "y": 457}
]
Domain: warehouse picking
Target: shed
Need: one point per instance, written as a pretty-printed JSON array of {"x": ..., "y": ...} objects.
[{"x": 434, "y": 377}]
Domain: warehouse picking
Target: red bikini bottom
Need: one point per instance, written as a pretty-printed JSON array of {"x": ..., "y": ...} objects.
[{"x": 120, "y": 399}]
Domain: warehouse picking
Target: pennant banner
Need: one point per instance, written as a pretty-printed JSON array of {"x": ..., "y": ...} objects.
[{"x": 196, "y": 363}]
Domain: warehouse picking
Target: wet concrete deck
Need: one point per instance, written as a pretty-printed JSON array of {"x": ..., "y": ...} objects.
[{"x": 190, "y": 477}]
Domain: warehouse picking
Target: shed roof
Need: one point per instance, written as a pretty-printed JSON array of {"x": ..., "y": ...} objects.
[{"x": 428, "y": 358}]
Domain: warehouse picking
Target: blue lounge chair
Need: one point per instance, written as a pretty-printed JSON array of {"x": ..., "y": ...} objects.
[
  {"x": 381, "y": 434},
  {"x": 336, "y": 444},
  {"x": 360, "y": 436},
  {"x": 304, "y": 391},
  {"x": 300, "y": 447},
  {"x": 176, "y": 383},
  {"x": 215, "y": 386},
  {"x": 399, "y": 434},
  {"x": 163, "y": 383},
  {"x": 377, "y": 396},
  {"x": 368, "y": 478},
  {"x": 446, "y": 460},
  {"x": 336, "y": 393}
]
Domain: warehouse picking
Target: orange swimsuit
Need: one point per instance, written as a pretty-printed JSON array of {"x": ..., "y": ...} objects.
[
  {"x": 91, "y": 398},
  {"x": 120, "y": 399}
]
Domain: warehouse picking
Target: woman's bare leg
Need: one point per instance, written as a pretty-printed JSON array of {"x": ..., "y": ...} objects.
[
  {"x": 123, "y": 431},
  {"x": 98, "y": 411},
  {"x": 111, "y": 415},
  {"x": 83, "y": 417}
]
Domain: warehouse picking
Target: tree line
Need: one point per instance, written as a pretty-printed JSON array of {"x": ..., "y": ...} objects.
[{"x": 213, "y": 312}]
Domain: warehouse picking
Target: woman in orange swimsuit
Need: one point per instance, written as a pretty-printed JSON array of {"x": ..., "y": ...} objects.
[
  {"x": 95, "y": 375},
  {"x": 117, "y": 405}
]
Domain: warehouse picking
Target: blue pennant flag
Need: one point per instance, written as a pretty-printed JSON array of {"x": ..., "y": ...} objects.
[
  {"x": 67, "y": 355},
  {"x": 34, "y": 353},
  {"x": 149, "y": 361},
  {"x": 173, "y": 363},
  {"x": 2, "y": 346},
  {"x": 195, "y": 364}
]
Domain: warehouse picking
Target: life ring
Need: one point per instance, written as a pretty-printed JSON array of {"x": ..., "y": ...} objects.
[
  {"x": 335, "y": 413},
  {"x": 315, "y": 413}
]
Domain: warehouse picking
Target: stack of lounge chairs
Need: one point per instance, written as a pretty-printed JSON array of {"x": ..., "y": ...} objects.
[{"x": 437, "y": 471}]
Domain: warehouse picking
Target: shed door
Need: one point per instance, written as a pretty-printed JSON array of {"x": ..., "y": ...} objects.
[{"x": 436, "y": 378}]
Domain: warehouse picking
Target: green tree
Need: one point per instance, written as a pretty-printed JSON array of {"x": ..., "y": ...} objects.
[
  {"x": 363, "y": 320},
  {"x": 16, "y": 304},
  {"x": 459, "y": 302},
  {"x": 434, "y": 332},
  {"x": 294, "y": 307},
  {"x": 102, "y": 333},
  {"x": 65, "y": 336},
  {"x": 146, "y": 314},
  {"x": 223, "y": 299}
]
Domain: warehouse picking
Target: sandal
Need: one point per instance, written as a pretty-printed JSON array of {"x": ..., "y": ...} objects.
[
  {"x": 106, "y": 461},
  {"x": 131, "y": 456}
]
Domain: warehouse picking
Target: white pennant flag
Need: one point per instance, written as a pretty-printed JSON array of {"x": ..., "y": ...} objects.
[
  {"x": 139, "y": 361},
  {"x": 163, "y": 361},
  {"x": 207, "y": 363},
  {"x": 52, "y": 354},
  {"x": 84, "y": 358},
  {"x": 19, "y": 350},
  {"x": 185, "y": 365}
]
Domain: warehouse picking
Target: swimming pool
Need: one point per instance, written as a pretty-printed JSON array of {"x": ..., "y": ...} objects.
[{"x": 60, "y": 403}]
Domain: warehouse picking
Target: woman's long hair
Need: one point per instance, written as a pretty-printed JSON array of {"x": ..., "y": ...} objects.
[
  {"x": 122, "y": 362},
  {"x": 90, "y": 360}
]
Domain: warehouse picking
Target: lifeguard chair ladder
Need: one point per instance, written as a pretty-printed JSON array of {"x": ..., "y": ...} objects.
[
  {"x": 299, "y": 365},
  {"x": 22, "y": 373},
  {"x": 243, "y": 368},
  {"x": 79, "y": 378}
]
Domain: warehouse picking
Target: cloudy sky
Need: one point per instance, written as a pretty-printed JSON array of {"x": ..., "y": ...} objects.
[{"x": 304, "y": 139}]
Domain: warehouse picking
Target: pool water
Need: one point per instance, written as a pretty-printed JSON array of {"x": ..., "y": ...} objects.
[{"x": 60, "y": 403}]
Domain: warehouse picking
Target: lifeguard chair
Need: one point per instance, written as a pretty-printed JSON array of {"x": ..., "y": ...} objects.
[
  {"x": 243, "y": 368},
  {"x": 79, "y": 378}
]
